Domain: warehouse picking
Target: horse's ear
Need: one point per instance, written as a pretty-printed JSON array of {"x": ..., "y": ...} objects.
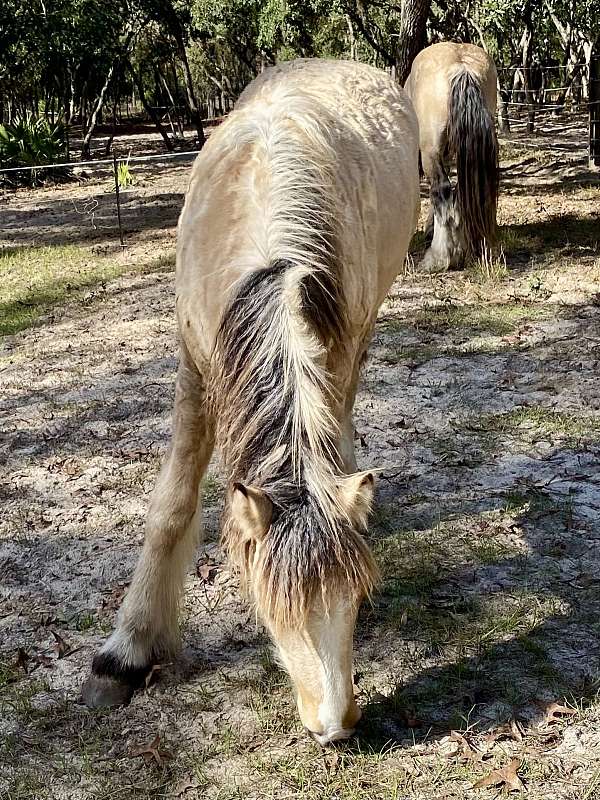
[
  {"x": 252, "y": 509},
  {"x": 357, "y": 495}
]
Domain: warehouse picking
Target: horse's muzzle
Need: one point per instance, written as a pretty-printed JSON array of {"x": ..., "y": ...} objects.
[{"x": 332, "y": 735}]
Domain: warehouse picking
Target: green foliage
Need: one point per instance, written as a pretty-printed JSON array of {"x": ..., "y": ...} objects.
[
  {"x": 60, "y": 57},
  {"x": 124, "y": 176},
  {"x": 29, "y": 141}
]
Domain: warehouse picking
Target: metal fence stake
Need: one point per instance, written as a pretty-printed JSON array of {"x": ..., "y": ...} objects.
[
  {"x": 594, "y": 107},
  {"x": 118, "y": 196}
]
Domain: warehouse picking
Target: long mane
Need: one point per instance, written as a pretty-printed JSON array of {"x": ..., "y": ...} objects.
[{"x": 271, "y": 391}]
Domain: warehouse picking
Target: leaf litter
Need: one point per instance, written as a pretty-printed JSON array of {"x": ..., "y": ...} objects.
[{"x": 506, "y": 777}]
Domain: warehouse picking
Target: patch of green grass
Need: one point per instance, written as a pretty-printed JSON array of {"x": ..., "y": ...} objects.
[
  {"x": 567, "y": 234},
  {"x": 489, "y": 268},
  {"x": 342, "y": 774},
  {"x": 85, "y": 621},
  {"x": 17, "y": 696},
  {"x": 270, "y": 697},
  {"x": 417, "y": 355},
  {"x": 489, "y": 550},
  {"x": 383, "y": 520},
  {"x": 33, "y": 280},
  {"x": 494, "y": 318},
  {"x": 509, "y": 151},
  {"x": 212, "y": 490},
  {"x": 9, "y": 672},
  {"x": 512, "y": 242},
  {"x": 537, "y": 422},
  {"x": 165, "y": 262},
  {"x": 27, "y": 784}
]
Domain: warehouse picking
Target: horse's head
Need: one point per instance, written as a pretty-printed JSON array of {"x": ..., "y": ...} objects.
[{"x": 308, "y": 575}]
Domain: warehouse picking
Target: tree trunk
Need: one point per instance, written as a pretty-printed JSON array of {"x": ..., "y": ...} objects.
[
  {"x": 503, "y": 115},
  {"x": 137, "y": 79},
  {"x": 177, "y": 100},
  {"x": 412, "y": 37},
  {"x": 526, "y": 54},
  {"x": 351, "y": 38},
  {"x": 594, "y": 106},
  {"x": 189, "y": 90},
  {"x": 85, "y": 147}
]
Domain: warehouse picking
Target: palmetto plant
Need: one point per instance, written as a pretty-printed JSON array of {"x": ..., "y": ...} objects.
[{"x": 31, "y": 141}]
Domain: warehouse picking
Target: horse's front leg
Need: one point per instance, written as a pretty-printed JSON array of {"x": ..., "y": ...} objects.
[
  {"x": 445, "y": 249},
  {"x": 147, "y": 626},
  {"x": 345, "y": 410}
]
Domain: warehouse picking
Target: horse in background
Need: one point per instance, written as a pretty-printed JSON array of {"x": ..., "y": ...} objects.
[
  {"x": 297, "y": 219},
  {"x": 453, "y": 89}
]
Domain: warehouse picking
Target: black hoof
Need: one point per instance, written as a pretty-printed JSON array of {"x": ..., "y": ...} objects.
[
  {"x": 99, "y": 691},
  {"x": 111, "y": 683}
]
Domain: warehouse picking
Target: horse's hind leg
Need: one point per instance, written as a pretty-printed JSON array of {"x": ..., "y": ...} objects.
[
  {"x": 147, "y": 627},
  {"x": 444, "y": 249}
]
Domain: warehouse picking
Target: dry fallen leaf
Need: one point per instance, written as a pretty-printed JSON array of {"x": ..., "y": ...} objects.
[
  {"x": 151, "y": 752},
  {"x": 516, "y": 729},
  {"x": 331, "y": 761},
  {"x": 512, "y": 729},
  {"x": 506, "y": 777},
  {"x": 465, "y": 748},
  {"x": 115, "y": 598},
  {"x": 207, "y": 572},
  {"x": 61, "y": 647},
  {"x": 255, "y": 744},
  {"x": 22, "y": 659},
  {"x": 554, "y": 712}
]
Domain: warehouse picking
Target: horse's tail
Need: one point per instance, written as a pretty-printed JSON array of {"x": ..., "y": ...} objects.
[{"x": 472, "y": 139}]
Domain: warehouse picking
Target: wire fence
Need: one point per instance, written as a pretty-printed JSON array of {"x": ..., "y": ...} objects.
[
  {"x": 103, "y": 201},
  {"x": 118, "y": 196}
]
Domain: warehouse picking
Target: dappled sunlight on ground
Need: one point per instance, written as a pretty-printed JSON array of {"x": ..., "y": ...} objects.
[{"x": 480, "y": 403}]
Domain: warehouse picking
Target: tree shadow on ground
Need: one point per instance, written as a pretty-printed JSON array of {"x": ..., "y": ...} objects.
[
  {"x": 509, "y": 623},
  {"x": 483, "y": 683},
  {"x": 532, "y": 177},
  {"x": 564, "y": 235},
  {"x": 91, "y": 220}
]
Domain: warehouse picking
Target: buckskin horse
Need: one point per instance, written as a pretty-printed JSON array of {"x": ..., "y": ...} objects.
[
  {"x": 297, "y": 219},
  {"x": 453, "y": 89}
]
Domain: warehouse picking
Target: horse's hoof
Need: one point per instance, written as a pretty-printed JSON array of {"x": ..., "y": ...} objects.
[
  {"x": 101, "y": 691},
  {"x": 432, "y": 264}
]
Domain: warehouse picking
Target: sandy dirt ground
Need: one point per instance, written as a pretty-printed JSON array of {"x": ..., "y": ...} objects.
[{"x": 480, "y": 402}]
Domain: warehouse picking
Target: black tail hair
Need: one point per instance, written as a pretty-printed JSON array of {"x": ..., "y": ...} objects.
[{"x": 472, "y": 140}]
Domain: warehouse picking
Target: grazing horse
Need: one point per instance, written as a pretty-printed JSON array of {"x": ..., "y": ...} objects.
[
  {"x": 297, "y": 219},
  {"x": 453, "y": 89}
]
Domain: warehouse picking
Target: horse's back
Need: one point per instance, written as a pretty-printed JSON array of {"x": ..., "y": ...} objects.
[
  {"x": 347, "y": 118},
  {"x": 360, "y": 95}
]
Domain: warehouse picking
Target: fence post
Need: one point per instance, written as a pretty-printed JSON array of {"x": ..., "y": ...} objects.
[
  {"x": 118, "y": 196},
  {"x": 594, "y": 106}
]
